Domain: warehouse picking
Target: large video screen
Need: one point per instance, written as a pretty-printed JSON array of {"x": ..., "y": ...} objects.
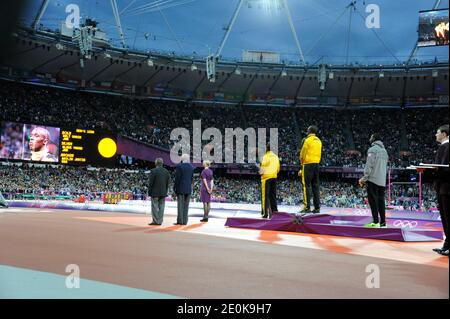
[
  {"x": 29, "y": 142},
  {"x": 88, "y": 146},
  {"x": 433, "y": 28},
  {"x": 41, "y": 143}
]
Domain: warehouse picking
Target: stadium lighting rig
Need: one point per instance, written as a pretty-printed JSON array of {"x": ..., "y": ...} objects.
[
  {"x": 265, "y": 4},
  {"x": 268, "y": 6},
  {"x": 83, "y": 36},
  {"x": 211, "y": 61},
  {"x": 60, "y": 47},
  {"x": 322, "y": 76}
]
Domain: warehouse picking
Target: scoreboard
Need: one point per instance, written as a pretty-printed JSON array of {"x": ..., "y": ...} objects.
[
  {"x": 87, "y": 146},
  {"x": 63, "y": 145}
]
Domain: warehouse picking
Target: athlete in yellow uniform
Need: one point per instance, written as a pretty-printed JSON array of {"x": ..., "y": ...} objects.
[
  {"x": 270, "y": 166},
  {"x": 310, "y": 157}
]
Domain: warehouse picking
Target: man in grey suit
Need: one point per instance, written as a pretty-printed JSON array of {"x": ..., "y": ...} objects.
[
  {"x": 158, "y": 189},
  {"x": 183, "y": 188}
]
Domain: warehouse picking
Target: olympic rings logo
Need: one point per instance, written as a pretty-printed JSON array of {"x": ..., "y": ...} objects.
[
  {"x": 405, "y": 223},
  {"x": 360, "y": 212}
]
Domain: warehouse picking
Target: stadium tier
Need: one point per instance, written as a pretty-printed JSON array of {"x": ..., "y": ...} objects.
[{"x": 233, "y": 156}]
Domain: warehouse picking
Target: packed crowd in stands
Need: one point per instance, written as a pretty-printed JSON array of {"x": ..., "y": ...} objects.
[
  {"x": 67, "y": 180},
  {"x": 408, "y": 134},
  {"x": 332, "y": 131},
  {"x": 387, "y": 122},
  {"x": 408, "y": 196},
  {"x": 70, "y": 181},
  {"x": 419, "y": 123}
]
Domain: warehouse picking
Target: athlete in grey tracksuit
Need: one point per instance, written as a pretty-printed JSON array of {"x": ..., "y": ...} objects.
[{"x": 375, "y": 178}]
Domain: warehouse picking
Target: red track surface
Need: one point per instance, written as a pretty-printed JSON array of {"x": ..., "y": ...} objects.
[{"x": 211, "y": 261}]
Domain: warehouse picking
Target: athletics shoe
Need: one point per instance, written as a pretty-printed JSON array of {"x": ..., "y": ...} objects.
[
  {"x": 372, "y": 225},
  {"x": 383, "y": 225},
  {"x": 443, "y": 252}
]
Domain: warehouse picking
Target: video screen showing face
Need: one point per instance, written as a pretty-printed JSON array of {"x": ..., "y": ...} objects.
[
  {"x": 433, "y": 28},
  {"x": 29, "y": 142}
]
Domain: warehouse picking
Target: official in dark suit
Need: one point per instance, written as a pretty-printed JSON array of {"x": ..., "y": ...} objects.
[
  {"x": 441, "y": 184},
  {"x": 158, "y": 189},
  {"x": 183, "y": 188}
]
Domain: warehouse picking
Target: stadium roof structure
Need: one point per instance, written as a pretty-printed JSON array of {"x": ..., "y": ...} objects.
[
  {"x": 376, "y": 62},
  {"x": 331, "y": 32}
]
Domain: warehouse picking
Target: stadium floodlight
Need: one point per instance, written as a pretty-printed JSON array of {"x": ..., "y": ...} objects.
[
  {"x": 84, "y": 38},
  {"x": 60, "y": 47},
  {"x": 267, "y": 5},
  {"x": 150, "y": 62},
  {"x": 322, "y": 76},
  {"x": 211, "y": 68}
]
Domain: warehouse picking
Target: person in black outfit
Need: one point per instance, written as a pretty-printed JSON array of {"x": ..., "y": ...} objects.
[
  {"x": 441, "y": 184},
  {"x": 158, "y": 188},
  {"x": 310, "y": 156},
  {"x": 183, "y": 188}
]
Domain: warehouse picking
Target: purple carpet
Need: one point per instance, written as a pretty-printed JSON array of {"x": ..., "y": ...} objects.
[{"x": 400, "y": 228}]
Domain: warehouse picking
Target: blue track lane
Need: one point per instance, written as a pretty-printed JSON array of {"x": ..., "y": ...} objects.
[{"x": 21, "y": 283}]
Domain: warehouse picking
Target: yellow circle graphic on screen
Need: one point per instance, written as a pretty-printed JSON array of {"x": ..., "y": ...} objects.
[{"x": 107, "y": 147}]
